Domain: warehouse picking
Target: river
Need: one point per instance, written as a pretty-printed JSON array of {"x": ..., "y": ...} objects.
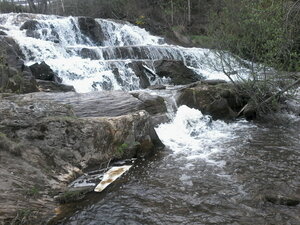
[
  {"x": 211, "y": 172},
  {"x": 240, "y": 173}
]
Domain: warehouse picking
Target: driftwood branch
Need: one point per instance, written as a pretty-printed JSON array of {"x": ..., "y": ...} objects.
[{"x": 278, "y": 94}]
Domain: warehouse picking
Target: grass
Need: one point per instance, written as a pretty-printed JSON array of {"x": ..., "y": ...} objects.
[
  {"x": 32, "y": 192},
  {"x": 24, "y": 216},
  {"x": 202, "y": 41}
]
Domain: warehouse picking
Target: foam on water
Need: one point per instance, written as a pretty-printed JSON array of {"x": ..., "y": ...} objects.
[
  {"x": 125, "y": 34},
  {"x": 196, "y": 136}
]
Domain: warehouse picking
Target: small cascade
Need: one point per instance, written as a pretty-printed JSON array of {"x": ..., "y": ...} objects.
[
  {"x": 100, "y": 54},
  {"x": 197, "y": 136}
]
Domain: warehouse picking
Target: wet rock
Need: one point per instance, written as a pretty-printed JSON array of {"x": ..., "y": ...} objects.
[
  {"x": 140, "y": 72},
  {"x": 220, "y": 109},
  {"x": 30, "y": 25},
  {"x": 218, "y": 100},
  {"x": 73, "y": 194},
  {"x": 13, "y": 56},
  {"x": 3, "y": 28},
  {"x": 152, "y": 103},
  {"x": 117, "y": 75},
  {"x": 51, "y": 86},
  {"x": 15, "y": 76},
  {"x": 88, "y": 53},
  {"x": 33, "y": 34},
  {"x": 43, "y": 72},
  {"x": 176, "y": 70},
  {"x": 43, "y": 142},
  {"x": 157, "y": 87},
  {"x": 91, "y": 29},
  {"x": 282, "y": 200},
  {"x": 250, "y": 111},
  {"x": 2, "y": 33}
]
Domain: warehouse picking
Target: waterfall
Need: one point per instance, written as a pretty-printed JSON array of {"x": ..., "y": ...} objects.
[{"x": 105, "y": 63}]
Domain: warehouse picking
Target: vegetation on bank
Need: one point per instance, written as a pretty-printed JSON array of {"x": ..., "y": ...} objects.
[{"x": 264, "y": 36}]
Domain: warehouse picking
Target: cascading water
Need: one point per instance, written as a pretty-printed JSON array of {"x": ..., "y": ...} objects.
[{"x": 89, "y": 66}]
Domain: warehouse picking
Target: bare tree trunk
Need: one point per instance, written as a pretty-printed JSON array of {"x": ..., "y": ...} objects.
[
  {"x": 172, "y": 12},
  {"x": 62, "y": 6},
  {"x": 189, "y": 11},
  {"x": 32, "y": 6},
  {"x": 44, "y": 6}
]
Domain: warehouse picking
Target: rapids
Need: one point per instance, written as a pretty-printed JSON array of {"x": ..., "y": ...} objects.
[{"x": 210, "y": 173}]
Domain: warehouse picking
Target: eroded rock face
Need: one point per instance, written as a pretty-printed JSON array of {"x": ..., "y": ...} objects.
[
  {"x": 176, "y": 70},
  {"x": 218, "y": 100},
  {"x": 44, "y": 145}
]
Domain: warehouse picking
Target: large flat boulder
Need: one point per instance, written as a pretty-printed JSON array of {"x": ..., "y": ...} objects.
[{"x": 46, "y": 143}]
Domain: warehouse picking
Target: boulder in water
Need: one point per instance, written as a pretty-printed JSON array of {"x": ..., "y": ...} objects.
[
  {"x": 30, "y": 25},
  {"x": 140, "y": 72},
  {"x": 91, "y": 29},
  {"x": 87, "y": 53},
  {"x": 176, "y": 70},
  {"x": 217, "y": 100},
  {"x": 43, "y": 71},
  {"x": 2, "y": 33}
]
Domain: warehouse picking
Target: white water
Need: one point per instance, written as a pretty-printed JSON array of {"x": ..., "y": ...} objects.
[
  {"x": 193, "y": 135},
  {"x": 59, "y": 42}
]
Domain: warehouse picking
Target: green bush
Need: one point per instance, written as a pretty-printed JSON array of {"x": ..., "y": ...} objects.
[{"x": 259, "y": 31}]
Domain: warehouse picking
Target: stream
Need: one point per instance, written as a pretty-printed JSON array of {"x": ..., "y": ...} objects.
[
  {"x": 229, "y": 176},
  {"x": 211, "y": 172}
]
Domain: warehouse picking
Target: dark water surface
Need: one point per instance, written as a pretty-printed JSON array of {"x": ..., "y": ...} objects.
[{"x": 242, "y": 184}]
